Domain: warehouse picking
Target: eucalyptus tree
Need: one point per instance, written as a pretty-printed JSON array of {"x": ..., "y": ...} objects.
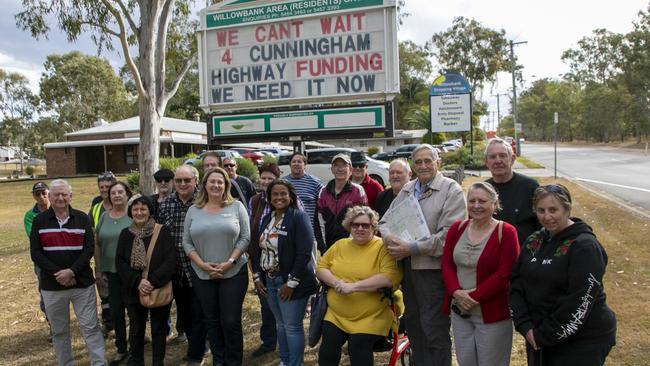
[{"x": 142, "y": 30}]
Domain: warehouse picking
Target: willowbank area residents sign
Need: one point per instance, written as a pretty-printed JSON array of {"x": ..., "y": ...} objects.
[{"x": 301, "y": 59}]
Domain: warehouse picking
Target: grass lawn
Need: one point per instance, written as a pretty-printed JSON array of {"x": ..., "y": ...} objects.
[{"x": 23, "y": 329}]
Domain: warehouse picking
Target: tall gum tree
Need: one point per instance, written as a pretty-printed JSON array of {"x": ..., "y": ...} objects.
[{"x": 117, "y": 20}]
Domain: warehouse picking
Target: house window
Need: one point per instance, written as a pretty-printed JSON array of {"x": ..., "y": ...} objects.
[
  {"x": 390, "y": 142},
  {"x": 131, "y": 154}
]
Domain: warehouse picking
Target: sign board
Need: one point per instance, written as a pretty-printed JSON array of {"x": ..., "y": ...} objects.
[
  {"x": 517, "y": 127},
  {"x": 295, "y": 122},
  {"x": 257, "y": 54},
  {"x": 450, "y": 103}
]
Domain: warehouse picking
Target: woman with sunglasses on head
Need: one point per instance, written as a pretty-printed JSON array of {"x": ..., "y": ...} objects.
[
  {"x": 108, "y": 229},
  {"x": 478, "y": 256},
  {"x": 556, "y": 288},
  {"x": 282, "y": 255},
  {"x": 215, "y": 238},
  {"x": 355, "y": 268}
]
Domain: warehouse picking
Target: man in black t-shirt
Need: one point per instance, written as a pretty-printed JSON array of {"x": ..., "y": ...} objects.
[{"x": 515, "y": 190}]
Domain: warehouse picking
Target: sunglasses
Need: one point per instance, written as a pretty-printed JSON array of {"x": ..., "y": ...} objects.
[
  {"x": 558, "y": 189},
  {"x": 362, "y": 225},
  {"x": 182, "y": 180},
  {"x": 229, "y": 165},
  {"x": 166, "y": 180},
  {"x": 358, "y": 166},
  {"x": 459, "y": 312},
  {"x": 106, "y": 176}
]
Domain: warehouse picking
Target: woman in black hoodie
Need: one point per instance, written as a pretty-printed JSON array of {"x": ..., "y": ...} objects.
[{"x": 556, "y": 297}]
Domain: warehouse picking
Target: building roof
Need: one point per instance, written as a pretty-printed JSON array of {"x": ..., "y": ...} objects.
[
  {"x": 122, "y": 141},
  {"x": 133, "y": 125}
]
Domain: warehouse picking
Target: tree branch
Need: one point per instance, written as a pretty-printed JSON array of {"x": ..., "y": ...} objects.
[
  {"x": 127, "y": 15},
  {"x": 186, "y": 67},
  {"x": 161, "y": 46},
  {"x": 125, "y": 48}
]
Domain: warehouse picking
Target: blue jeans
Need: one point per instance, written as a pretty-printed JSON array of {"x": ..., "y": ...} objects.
[{"x": 288, "y": 320}]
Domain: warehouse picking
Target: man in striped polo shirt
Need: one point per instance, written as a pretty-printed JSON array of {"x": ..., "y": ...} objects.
[
  {"x": 307, "y": 187},
  {"x": 61, "y": 245}
]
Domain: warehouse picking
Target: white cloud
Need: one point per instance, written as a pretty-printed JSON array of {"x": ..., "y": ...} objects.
[{"x": 30, "y": 70}]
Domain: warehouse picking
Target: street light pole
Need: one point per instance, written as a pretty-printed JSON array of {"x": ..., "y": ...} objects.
[{"x": 513, "y": 66}]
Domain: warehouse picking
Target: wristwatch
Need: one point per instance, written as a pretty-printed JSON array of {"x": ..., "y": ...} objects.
[{"x": 232, "y": 260}]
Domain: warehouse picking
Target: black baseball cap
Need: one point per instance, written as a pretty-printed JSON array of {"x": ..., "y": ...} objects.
[
  {"x": 39, "y": 186},
  {"x": 163, "y": 174}
]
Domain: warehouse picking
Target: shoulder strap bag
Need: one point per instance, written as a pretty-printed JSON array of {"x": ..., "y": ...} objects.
[{"x": 159, "y": 296}]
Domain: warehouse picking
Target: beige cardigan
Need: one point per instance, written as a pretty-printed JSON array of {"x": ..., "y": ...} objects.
[{"x": 441, "y": 209}]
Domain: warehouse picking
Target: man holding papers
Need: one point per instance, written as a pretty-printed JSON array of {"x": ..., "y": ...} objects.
[{"x": 442, "y": 202}]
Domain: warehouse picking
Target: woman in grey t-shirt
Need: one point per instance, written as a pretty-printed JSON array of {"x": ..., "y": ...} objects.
[{"x": 215, "y": 237}]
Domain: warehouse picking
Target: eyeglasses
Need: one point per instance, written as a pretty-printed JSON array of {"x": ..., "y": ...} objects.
[
  {"x": 459, "y": 312},
  {"x": 423, "y": 161},
  {"x": 229, "y": 165},
  {"x": 166, "y": 180},
  {"x": 362, "y": 225},
  {"x": 358, "y": 166},
  {"x": 183, "y": 180},
  {"x": 108, "y": 175}
]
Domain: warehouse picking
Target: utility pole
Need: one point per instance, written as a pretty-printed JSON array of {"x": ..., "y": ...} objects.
[{"x": 513, "y": 66}]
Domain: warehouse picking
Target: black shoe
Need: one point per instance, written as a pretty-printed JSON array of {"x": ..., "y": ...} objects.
[
  {"x": 118, "y": 359},
  {"x": 261, "y": 351}
]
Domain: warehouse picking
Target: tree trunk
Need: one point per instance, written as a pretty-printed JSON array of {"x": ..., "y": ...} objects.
[{"x": 149, "y": 148}]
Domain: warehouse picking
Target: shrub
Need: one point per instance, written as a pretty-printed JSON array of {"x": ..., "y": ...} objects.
[
  {"x": 29, "y": 170},
  {"x": 463, "y": 157},
  {"x": 247, "y": 168},
  {"x": 171, "y": 163},
  {"x": 133, "y": 180},
  {"x": 270, "y": 159},
  {"x": 372, "y": 150}
]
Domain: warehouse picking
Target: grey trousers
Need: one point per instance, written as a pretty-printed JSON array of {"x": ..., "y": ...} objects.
[
  {"x": 427, "y": 326},
  {"x": 480, "y": 344},
  {"x": 84, "y": 303}
]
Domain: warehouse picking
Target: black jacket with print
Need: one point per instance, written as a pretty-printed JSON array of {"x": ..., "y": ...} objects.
[{"x": 556, "y": 287}]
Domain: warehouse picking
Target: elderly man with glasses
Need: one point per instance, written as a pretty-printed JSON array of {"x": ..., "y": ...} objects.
[
  {"x": 442, "y": 202},
  {"x": 171, "y": 213}
]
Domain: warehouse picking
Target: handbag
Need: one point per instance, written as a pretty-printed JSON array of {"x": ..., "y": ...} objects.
[
  {"x": 318, "y": 310},
  {"x": 160, "y": 296}
]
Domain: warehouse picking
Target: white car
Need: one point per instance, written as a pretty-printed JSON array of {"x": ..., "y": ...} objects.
[{"x": 319, "y": 163}]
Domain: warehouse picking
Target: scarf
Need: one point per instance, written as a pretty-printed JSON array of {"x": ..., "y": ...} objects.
[{"x": 138, "y": 250}]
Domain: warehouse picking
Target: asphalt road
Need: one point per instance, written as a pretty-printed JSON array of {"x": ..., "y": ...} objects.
[{"x": 624, "y": 173}]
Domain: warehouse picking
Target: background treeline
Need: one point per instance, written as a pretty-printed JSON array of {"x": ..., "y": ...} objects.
[{"x": 604, "y": 97}]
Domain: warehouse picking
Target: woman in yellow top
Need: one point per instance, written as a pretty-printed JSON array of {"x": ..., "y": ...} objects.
[{"x": 354, "y": 268}]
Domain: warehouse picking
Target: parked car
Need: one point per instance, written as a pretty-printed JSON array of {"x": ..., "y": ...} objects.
[
  {"x": 271, "y": 149},
  {"x": 404, "y": 151},
  {"x": 319, "y": 162},
  {"x": 222, "y": 153},
  {"x": 383, "y": 156},
  {"x": 255, "y": 156},
  {"x": 450, "y": 146}
]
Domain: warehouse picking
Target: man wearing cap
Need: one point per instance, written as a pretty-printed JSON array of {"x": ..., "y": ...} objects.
[
  {"x": 61, "y": 245},
  {"x": 333, "y": 202},
  {"x": 164, "y": 185},
  {"x": 360, "y": 176},
  {"x": 40, "y": 192}
]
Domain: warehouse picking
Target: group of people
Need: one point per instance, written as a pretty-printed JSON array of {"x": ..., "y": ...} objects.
[{"x": 507, "y": 252}]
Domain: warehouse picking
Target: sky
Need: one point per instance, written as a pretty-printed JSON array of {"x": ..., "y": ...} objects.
[{"x": 550, "y": 27}]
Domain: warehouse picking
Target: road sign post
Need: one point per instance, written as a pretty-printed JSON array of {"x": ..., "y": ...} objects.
[{"x": 555, "y": 122}]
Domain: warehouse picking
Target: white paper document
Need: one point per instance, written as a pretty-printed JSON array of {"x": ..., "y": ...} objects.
[{"x": 406, "y": 220}]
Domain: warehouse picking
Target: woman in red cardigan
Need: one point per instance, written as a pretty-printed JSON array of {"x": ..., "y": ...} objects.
[{"x": 478, "y": 257}]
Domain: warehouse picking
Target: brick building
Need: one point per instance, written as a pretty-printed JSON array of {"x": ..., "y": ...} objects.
[{"x": 114, "y": 146}]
